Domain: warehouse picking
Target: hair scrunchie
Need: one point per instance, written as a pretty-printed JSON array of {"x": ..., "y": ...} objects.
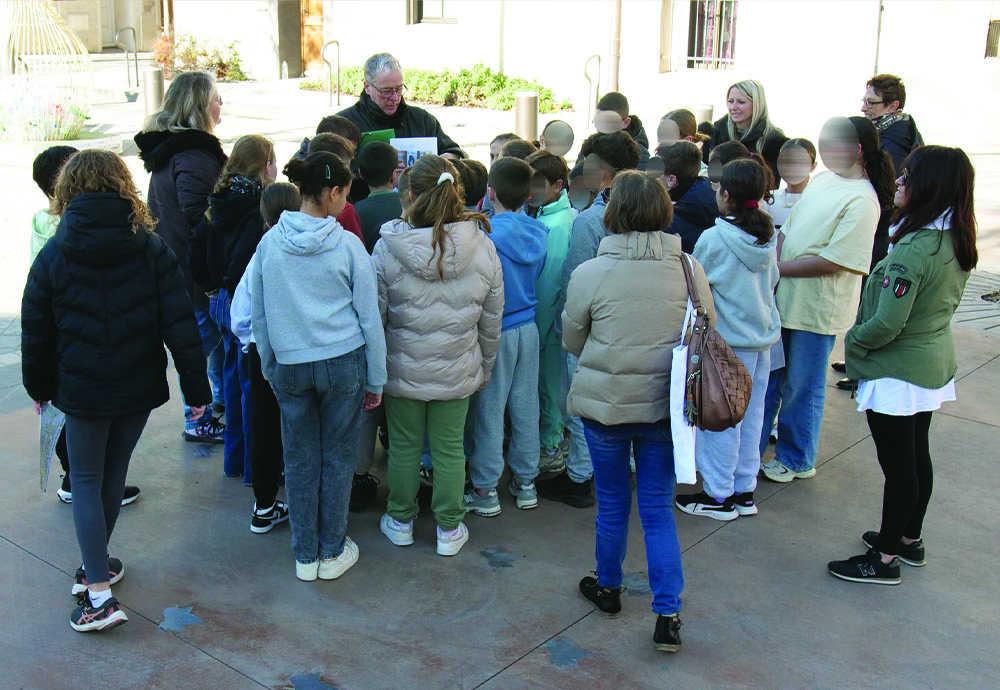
[
  {"x": 751, "y": 204},
  {"x": 445, "y": 176}
]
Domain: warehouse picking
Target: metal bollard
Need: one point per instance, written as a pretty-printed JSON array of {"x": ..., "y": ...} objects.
[
  {"x": 526, "y": 115},
  {"x": 152, "y": 89},
  {"x": 703, "y": 113}
]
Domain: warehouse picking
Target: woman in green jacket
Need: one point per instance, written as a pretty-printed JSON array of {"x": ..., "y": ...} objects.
[{"x": 901, "y": 349}]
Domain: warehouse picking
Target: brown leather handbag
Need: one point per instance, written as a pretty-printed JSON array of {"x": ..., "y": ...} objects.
[{"x": 718, "y": 385}]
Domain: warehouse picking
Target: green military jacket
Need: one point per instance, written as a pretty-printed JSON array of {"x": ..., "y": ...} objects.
[{"x": 903, "y": 328}]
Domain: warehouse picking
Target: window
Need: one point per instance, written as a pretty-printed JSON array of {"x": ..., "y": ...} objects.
[
  {"x": 428, "y": 12},
  {"x": 712, "y": 34},
  {"x": 993, "y": 39}
]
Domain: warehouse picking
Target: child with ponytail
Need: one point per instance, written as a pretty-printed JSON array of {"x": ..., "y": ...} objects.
[
  {"x": 741, "y": 262},
  {"x": 823, "y": 250},
  {"x": 440, "y": 291},
  {"x": 314, "y": 313}
]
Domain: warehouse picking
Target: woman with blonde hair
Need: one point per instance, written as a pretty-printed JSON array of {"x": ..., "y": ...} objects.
[
  {"x": 440, "y": 290},
  {"x": 180, "y": 150},
  {"x": 101, "y": 301},
  {"x": 747, "y": 121}
]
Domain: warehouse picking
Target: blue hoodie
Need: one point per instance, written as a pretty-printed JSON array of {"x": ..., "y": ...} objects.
[{"x": 520, "y": 243}]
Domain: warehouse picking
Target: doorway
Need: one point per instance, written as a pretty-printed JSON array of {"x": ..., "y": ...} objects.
[{"x": 312, "y": 35}]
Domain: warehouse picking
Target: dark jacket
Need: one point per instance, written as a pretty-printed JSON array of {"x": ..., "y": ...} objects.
[
  {"x": 220, "y": 249},
  {"x": 99, "y": 304},
  {"x": 695, "y": 210},
  {"x": 185, "y": 167},
  {"x": 898, "y": 136},
  {"x": 768, "y": 148},
  {"x": 408, "y": 121},
  {"x": 637, "y": 132},
  {"x": 378, "y": 209}
]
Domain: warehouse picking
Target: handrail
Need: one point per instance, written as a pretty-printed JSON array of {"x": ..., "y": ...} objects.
[
  {"x": 329, "y": 76},
  {"x": 135, "y": 53},
  {"x": 592, "y": 101}
]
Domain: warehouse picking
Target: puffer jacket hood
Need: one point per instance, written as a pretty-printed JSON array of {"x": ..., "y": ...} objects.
[
  {"x": 756, "y": 257},
  {"x": 303, "y": 234},
  {"x": 158, "y": 147},
  {"x": 96, "y": 231},
  {"x": 413, "y": 248}
]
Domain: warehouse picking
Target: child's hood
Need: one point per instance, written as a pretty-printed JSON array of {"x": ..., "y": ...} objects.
[
  {"x": 413, "y": 247},
  {"x": 519, "y": 238},
  {"x": 299, "y": 233},
  {"x": 96, "y": 230},
  {"x": 756, "y": 257},
  {"x": 232, "y": 204}
]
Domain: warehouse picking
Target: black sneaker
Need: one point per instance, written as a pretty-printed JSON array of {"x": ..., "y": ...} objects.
[
  {"x": 912, "y": 554},
  {"x": 65, "y": 492},
  {"x": 607, "y": 600},
  {"x": 846, "y": 384},
  {"x": 86, "y": 618},
  {"x": 563, "y": 489},
  {"x": 703, "y": 504},
  {"x": 364, "y": 488},
  {"x": 425, "y": 492},
  {"x": 839, "y": 367},
  {"x": 667, "y": 636},
  {"x": 116, "y": 571},
  {"x": 261, "y": 522},
  {"x": 866, "y": 568},
  {"x": 206, "y": 431},
  {"x": 743, "y": 503}
]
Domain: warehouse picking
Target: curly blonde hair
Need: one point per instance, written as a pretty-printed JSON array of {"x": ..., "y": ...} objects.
[{"x": 94, "y": 171}]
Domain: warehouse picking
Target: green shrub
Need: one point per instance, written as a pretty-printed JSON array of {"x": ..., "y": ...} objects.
[
  {"x": 475, "y": 87},
  {"x": 187, "y": 54}
]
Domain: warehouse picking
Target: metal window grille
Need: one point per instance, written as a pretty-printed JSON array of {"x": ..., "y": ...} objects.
[
  {"x": 993, "y": 39},
  {"x": 712, "y": 34}
]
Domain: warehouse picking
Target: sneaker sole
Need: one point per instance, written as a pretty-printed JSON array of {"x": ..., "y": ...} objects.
[
  {"x": 786, "y": 478},
  {"x": 744, "y": 511},
  {"x": 914, "y": 564},
  {"x": 64, "y": 496},
  {"x": 80, "y": 589},
  {"x": 483, "y": 512},
  {"x": 867, "y": 580},
  {"x": 335, "y": 569},
  {"x": 113, "y": 621},
  {"x": 265, "y": 530},
  {"x": 572, "y": 501},
  {"x": 398, "y": 541},
  {"x": 451, "y": 548},
  {"x": 199, "y": 439},
  {"x": 133, "y": 499},
  {"x": 714, "y": 514},
  {"x": 557, "y": 467},
  {"x": 664, "y": 647}
]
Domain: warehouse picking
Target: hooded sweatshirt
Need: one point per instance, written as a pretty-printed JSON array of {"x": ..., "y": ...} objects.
[
  {"x": 313, "y": 297},
  {"x": 558, "y": 218},
  {"x": 742, "y": 275},
  {"x": 520, "y": 242}
]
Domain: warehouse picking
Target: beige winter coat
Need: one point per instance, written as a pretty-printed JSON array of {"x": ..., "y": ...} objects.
[
  {"x": 441, "y": 336},
  {"x": 623, "y": 317}
]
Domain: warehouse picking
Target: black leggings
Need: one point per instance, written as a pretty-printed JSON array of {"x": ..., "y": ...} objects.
[
  {"x": 903, "y": 453},
  {"x": 265, "y": 448}
]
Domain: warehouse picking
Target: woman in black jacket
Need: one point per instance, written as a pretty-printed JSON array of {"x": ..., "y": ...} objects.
[
  {"x": 185, "y": 158},
  {"x": 101, "y": 300},
  {"x": 749, "y": 123}
]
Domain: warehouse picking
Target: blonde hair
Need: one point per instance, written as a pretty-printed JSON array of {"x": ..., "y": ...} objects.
[
  {"x": 754, "y": 90},
  {"x": 279, "y": 197},
  {"x": 438, "y": 203},
  {"x": 186, "y": 105},
  {"x": 94, "y": 171},
  {"x": 251, "y": 154}
]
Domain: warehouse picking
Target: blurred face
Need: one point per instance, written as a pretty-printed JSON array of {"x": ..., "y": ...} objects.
[
  {"x": 608, "y": 121},
  {"x": 496, "y": 151},
  {"x": 543, "y": 192},
  {"x": 838, "y": 145},
  {"x": 873, "y": 106},
  {"x": 387, "y": 90},
  {"x": 215, "y": 107},
  {"x": 794, "y": 164},
  {"x": 740, "y": 109},
  {"x": 900, "y": 197},
  {"x": 667, "y": 132},
  {"x": 336, "y": 200}
]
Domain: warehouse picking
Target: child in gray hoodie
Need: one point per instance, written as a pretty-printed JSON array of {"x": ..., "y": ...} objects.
[
  {"x": 315, "y": 317},
  {"x": 740, "y": 259}
]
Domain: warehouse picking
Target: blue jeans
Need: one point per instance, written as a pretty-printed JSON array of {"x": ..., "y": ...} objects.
[
  {"x": 799, "y": 390},
  {"x": 320, "y": 429},
  {"x": 211, "y": 343},
  {"x": 578, "y": 464},
  {"x": 236, "y": 389},
  {"x": 729, "y": 460},
  {"x": 654, "y": 485},
  {"x": 514, "y": 387}
]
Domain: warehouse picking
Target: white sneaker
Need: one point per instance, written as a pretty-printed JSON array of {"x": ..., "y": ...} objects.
[
  {"x": 399, "y": 533},
  {"x": 450, "y": 543},
  {"x": 332, "y": 568},
  {"x": 306, "y": 571},
  {"x": 777, "y": 472}
]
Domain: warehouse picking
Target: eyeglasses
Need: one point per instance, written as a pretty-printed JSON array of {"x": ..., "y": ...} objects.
[
  {"x": 398, "y": 91},
  {"x": 218, "y": 99},
  {"x": 905, "y": 175},
  {"x": 870, "y": 103}
]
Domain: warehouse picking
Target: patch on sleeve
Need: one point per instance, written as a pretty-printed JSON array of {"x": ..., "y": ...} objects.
[
  {"x": 901, "y": 287},
  {"x": 898, "y": 268},
  {"x": 885, "y": 282}
]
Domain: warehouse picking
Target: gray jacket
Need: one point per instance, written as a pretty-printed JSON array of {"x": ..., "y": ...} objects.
[{"x": 441, "y": 336}]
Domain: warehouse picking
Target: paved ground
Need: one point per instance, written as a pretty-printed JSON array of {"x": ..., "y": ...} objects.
[{"x": 213, "y": 606}]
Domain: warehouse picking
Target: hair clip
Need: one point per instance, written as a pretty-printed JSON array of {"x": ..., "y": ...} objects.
[
  {"x": 328, "y": 172},
  {"x": 445, "y": 176}
]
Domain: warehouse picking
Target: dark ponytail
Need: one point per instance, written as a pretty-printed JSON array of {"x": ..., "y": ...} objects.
[
  {"x": 747, "y": 181},
  {"x": 877, "y": 163},
  {"x": 318, "y": 172}
]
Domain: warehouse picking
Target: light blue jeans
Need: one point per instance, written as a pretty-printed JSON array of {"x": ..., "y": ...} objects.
[
  {"x": 320, "y": 406},
  {"x": 211, "y": 343},
  {"x": 654, "y": 486},
  {"x": 729, "y": 460},
  {"x": 514, "y": 387},
  {"x": 578, "y": 464},
  {"x": 799, "y": 390}
]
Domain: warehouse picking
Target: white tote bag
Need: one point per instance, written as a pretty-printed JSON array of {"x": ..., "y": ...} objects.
[{"x": 682, "y": 433}]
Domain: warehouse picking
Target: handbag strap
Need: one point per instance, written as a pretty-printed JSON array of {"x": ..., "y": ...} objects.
[{"x": 689, "y": 279}]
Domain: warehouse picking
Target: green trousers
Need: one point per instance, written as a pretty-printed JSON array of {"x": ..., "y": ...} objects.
[
  {"x": 442, "y": 422},
  {"x": 550, "y": 371}
]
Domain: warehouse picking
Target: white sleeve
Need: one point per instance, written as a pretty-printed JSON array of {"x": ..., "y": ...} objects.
[{"x": 239, "y": 312}]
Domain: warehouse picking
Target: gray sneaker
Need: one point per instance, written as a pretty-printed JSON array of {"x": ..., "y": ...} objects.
[
  {"x": 527, "y": 497},
  {"x": 486, "y": 506},
  {"x": 551, "y": 461}
]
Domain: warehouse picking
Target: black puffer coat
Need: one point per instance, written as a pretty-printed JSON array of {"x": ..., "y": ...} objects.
[
  {"x": 220, "y": 249},
  {"x": 768, "y": 148},
  {"x": 185, "y": 167},
  {"x": 100, "y": 302}
]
